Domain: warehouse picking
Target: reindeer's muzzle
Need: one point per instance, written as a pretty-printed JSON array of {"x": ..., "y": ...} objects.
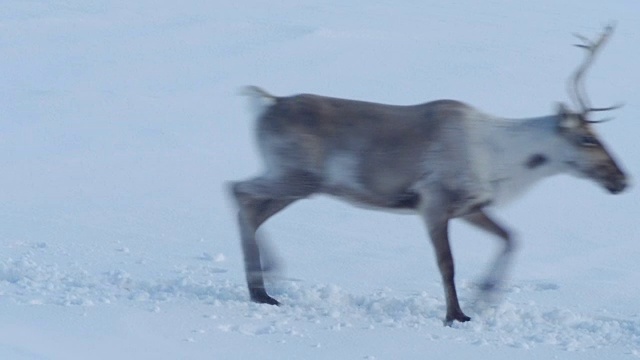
[
  {"x": 615, "y": 182},
  {"x": 609, "y": 176}
]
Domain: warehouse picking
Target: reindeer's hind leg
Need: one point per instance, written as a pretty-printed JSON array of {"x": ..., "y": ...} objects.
[{"x": 258, "y": 199}]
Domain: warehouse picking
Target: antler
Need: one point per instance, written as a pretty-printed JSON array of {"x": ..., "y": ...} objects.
[{"x": 576, "y": 84}]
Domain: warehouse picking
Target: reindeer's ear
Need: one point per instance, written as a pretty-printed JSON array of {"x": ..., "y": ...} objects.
[
  {"x": 566, "y": 119},
  {"x": 562, "y": 109}
]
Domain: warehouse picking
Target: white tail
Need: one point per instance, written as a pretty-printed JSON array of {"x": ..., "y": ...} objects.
[{"x": 259, "y": 99}]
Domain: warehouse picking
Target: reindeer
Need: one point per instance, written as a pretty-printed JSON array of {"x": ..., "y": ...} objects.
[{"x": 442, "y": 160}]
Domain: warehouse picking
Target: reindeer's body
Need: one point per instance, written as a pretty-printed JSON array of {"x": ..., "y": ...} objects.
[
  {"x": 362, "y": 151},
  {"x": 442, "y": 160},
  {"x": 383, "y": 155}
]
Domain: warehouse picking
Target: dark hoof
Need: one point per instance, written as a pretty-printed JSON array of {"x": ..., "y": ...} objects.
[
  {"x": 489, "y": 291},
  {"x": 261, "y": 297},
  {"x": 488, "y": 286},
  {"x": 459, "y": 316}
]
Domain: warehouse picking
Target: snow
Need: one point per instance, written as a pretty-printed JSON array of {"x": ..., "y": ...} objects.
[{"x": 121, "y": 126}]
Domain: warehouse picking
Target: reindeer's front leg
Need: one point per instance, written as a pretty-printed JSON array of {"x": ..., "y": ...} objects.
[
  {"x": 438, "y": 226},
  {"x": 498, "y": 271}
]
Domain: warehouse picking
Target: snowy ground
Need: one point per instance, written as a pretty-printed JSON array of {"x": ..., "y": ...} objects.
[{"x": 120, "y": 124}]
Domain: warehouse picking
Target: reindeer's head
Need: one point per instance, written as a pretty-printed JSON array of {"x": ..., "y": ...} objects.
[{"x": 586, "y": 156}]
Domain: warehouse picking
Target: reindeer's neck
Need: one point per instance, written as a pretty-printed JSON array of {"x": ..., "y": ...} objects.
[{"x": 521, "y": 152}]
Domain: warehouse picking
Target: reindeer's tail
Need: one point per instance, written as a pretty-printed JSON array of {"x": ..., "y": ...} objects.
[{"x": 259, "y": 99}]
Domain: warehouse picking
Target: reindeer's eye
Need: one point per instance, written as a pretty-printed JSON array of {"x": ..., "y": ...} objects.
[{"x": 589, "y": 141}]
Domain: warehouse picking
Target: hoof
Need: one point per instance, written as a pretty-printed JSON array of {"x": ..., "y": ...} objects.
[
  {"x": 459, "y": 316},
  {"x": 261, "y": 297},
  {"x": 488, "y": 286}
]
